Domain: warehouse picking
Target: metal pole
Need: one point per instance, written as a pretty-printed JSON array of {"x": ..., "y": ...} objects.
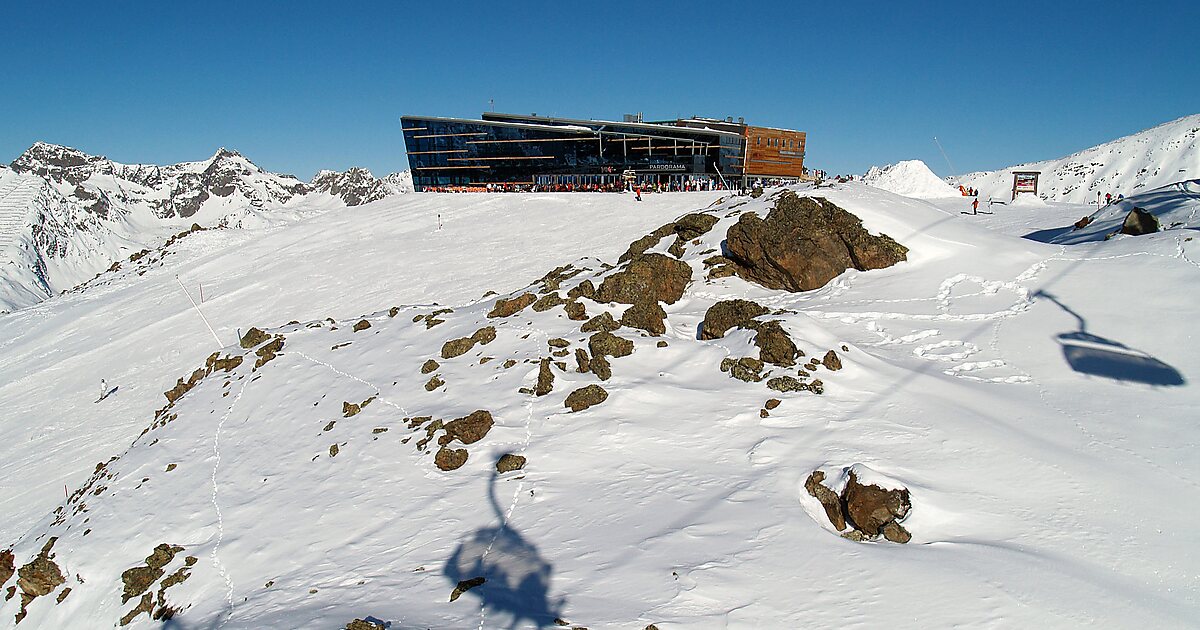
[
  {"x": 944, "y": 156},
  {"x": 202, "y": 317}
]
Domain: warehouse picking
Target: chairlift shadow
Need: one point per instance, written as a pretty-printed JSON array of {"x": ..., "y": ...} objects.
[
  {"x": 517, "y": 577},
  {"x": 1091, "y": 354}
]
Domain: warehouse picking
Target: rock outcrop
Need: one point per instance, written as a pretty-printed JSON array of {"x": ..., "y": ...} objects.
[
  {"x": 803, "y": 243},
  {"x": 869, "y": 511},
  {"x": 646, "y": 278},
  {"x": 1139, "y": 222}
]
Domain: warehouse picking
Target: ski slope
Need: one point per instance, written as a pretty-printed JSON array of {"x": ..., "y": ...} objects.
[{"x": 1042, "y": 426}]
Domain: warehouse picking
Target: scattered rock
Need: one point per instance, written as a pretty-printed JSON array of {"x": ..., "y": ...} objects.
[
  {"x": 253, "y": 337},
  {"x": 896, "y": 533},
  {"x": 1082, "y": 223},
  {"x": 786, "y": 384},
  {"x": 584, "y": 289},
  {"x": 828, "y": 498},
  {"x": 361, "y": 624},
  {"x": 805, "y": 242},
  {"x": 333, "y": 450},
  {"x": 433, "y": 383},
  {"x": 509, "y": 363},
  {"x": 774, "y": 344},
  {"x": 585, "y": 397},
  {"x": 468, "y": 429},
  {"x": 545, "y": 379},
  {"x": 429, "y": 366},
  {"x": 362, "y": 324},
  {"x": 647, "y": 316},
  {"x": 450, "y": 459},
  {"x": 602, "y": 322},
  {"x": 816, "y": 387},
  {"x": 772, "y": 403},
  {"x": 350, "y": 409},
  {"x": 575, "y": 311},
  {"x": 510, "y": 462},
  {"x": 555, "y": 277},
  {"x": 647, "y": 278},
  {"x": 661, "y": 344},
  {"x": 268, "y": 352},
  {"x": 831, "y": 361},
  {"x": 558, "y": 342},
  {"x": 583, "y": 364},
  {"x": 744, "y": 369},
  {"x": 601, "y": 367},
  {"x": 548, "y": 301},
  {"x": 139, "y": 579},
  {"x": 465, "y": 586},
  {"x": 1139, "y": 222},
  {"x": 727, "y": 314},
  {"x": 511, "y": 306},
  {"x": 463, "y": 345},
  {"x": 607, "y": 344}
]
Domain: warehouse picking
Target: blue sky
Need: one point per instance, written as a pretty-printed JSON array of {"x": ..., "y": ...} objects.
[{"x": 300, "y": 86}]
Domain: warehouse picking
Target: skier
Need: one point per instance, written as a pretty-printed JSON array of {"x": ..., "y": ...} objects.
[{"x": 103, "y": 390}]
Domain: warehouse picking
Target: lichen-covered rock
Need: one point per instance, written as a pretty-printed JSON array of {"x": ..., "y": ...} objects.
[
  {"x": 786, "y": 384},
  {"x": 558, "y": 342},
  {"x": 647, "y": 316},
  {"x": 575, "y": 311},
  {"x": 584, "y": 289},
  {"x": 547, "y": 302},
  {"x": 433, "y": 383},
  {"x": 511, "y": 306},
  {"x": 805, "y": 242},
  {"x": 774, "y": 344},
  {"x": 545, "y": 379},
  {"x": 362, "y": 624},
  {"x": 252, "y": 338},
  {"x": 744, "y": 369},
  {"x": 462, "y": 345},
  {"x": 429, "y": 366},
  {"x": 601, "y": 367},
  {"x": 585, "y": 397},
  {"x": 604, "y": 344},
  {"x": 510, "y": 462},
  {"x": 726, "y": 314},
  {"x": 602, "y": 322},
  {"x": 41, "y": 575},
  {"x": 450, "y": 458},
  {"x": 582, "y": 362},
  {"x": 646, "y": 278}
]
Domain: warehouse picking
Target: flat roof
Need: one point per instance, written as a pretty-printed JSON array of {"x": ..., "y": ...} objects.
[{"x": 611, "y": 122}]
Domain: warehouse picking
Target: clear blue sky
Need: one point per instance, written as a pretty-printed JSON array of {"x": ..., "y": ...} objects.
[{"x": 300, "y": 86}]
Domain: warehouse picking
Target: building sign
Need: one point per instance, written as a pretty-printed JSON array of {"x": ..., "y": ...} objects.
[
  {"x": 664, "y": 167},
  {"x": 1025, "y": 182}
]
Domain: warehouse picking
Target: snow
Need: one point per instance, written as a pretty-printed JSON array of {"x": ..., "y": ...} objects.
[
  {"x": 911, "y": 178},
  {"x": 1025, "y": 405},
  {"x": 1150, "y": 159}
]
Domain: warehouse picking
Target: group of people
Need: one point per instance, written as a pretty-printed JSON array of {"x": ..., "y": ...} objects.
[
  {"x": 968, "y": 192},
  {"x": 1108, "y": 198}
]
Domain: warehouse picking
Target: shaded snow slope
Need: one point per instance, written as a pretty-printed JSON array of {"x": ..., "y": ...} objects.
[
  {"x": 1177, "y": 207},
  {"x": 1042, "y": 429},
  {"x": 911, "y": 178},
  {"x": 1153, "y": 158}
]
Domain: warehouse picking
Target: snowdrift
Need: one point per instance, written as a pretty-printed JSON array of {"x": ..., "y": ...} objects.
[{"x": 911, "y": 178}]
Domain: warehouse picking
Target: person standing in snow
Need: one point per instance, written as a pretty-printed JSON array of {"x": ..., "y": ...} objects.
[
  {"x": 1107, "y": 198},
  {"x": 975, "y": 206}
]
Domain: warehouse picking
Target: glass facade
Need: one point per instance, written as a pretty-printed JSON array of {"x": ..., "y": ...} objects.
[{"x": 504, "y": 150}]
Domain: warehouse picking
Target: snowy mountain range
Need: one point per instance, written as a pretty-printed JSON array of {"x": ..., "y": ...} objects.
[
  {"x": 65, "y": 215},
  {"x": 1160, "y": 156}
]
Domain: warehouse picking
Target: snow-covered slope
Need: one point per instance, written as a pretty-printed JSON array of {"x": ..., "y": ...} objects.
[
  {"x": 1177, "y": 207},
  {"x": 1043, "y": 430},
  {"x": 1163, "y": 155},
  {"x": 911, "y": 178}
]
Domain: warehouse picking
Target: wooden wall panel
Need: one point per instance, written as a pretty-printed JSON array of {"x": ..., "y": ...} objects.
[{"x": 774, "y": 152}]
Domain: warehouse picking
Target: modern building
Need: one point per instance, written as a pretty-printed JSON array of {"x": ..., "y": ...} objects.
[{"x": 508, "y": 150}]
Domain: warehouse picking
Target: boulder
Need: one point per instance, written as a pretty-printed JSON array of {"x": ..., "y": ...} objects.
[
  {"x": 583, "y": 363},
  {"x": 429, "y": 366},
  {"x": 509, "y": 462},
  {"x": 584, "y": 289},
  {"x": 463, "y": 345},
  {"x": 726, "y": 314},
  {"x": 774, "y": 344},
  {"x": 744, "y": 369},
  {"x": 585, "y": 397},
  {"x": 805, "y": 242},
  {"x": 253, "y": 337},
  {"x": 647, "y": 316},
  {"x": 450, "y": 458},
  {"x": 362, "y": 324},
  {"x": 548, "y": 301},
  {"x": 828, "y": 498},
  {"x": 469, "y": 429},
  {"x": 831, "y": 361},
  {"x": 869, "y": 508},
  {"x": 511, "y": 306},
  {"x": 786, "y": 384},
  {"x": 604, "y": 344},
  {"x": 575, "y": 311},
  {"x": 648, "y": 277},
  {"x": 545, "y": 379},
  {"x": 1139, "y": 222}
]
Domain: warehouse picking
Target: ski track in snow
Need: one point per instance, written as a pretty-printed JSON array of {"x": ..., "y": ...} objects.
[{"x": 217, "y": 506}]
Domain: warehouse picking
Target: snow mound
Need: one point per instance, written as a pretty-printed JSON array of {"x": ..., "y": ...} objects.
[{"x": 911, "y": 178}]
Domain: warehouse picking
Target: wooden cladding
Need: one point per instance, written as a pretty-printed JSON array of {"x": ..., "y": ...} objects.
[{"x": 774, "y": 152}]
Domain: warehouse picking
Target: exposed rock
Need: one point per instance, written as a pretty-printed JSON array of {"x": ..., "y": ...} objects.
[
  {"x": 509, "y": 462},
  {"x": 1139, "y": 222},
  {"x": 870, "y": 507},
  {"x": 466, "y": 585},
  {"x": 722, "y": 316},
  {"x": 6, "y": 565},
  {"x": 647, "y": 316},
  {"x": 896, "y": 533},
  {"x": 545, "y": 379},
  {"x": 607, "y": 344},
  {"x": 362, "y": 324},
  {"x": 468, "y": 429},
  {"x": 144, "y": 606},
  {"x": 139, "y": 579},
  {"x": 575, "y": 311},
  {"x": 253, "y": 337},
  {"x": 774, "y": 344},
  {"x": 828, "y": 498},
  {"x": 433, "y": 383},
  {"x": 555, "y": 277},
  {"x": 602, "y": 322},
  {"x": 804, "y": 243},
  {"x": 548, "y": 301},
  {"x": 1082, "y": 223},
  {"x": 686, "y": 228},
  {"x": 584, "y": 289},
  {"x": 350, "y": 409},
  {"x": 585, "y": 397},
  {"x": 601, "y": 367},
  {"x": 744, "y": 369},
  {"x": 509, "y": 363},
  {"x": 268, "y": 352},
  {"x": 661, "y": 344},
  {"x": 511, "y": 306},
  {"x": 786, "y": 384},
  {"x": 361, "y": 624},
  {"x": 558, "y": 342},
  {"x": 582, "y": 363},
  {"x": 463, "y": 345},
  {"x": 39, "y": 577},
  {"x": 333, "y": 450},
  {"x": 816, "y": 386},
  {"x": 450, "y": 458},
  {"x": 831, "y": 361},
  {"x": 649, "y": 277},
  {"x": 772, "y": 403},
  {"x": 429, "y": 366}
]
